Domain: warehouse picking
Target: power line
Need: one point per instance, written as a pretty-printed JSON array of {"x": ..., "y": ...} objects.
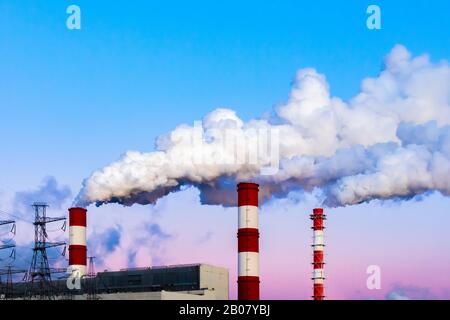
[
  {"x": 8, "y": 244},
  {"x": 15, "y": 216}
]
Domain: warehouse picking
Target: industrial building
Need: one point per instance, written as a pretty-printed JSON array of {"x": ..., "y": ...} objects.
[
  {"x": 198, "y": 281},
  {"x": 178, "y": 282}
]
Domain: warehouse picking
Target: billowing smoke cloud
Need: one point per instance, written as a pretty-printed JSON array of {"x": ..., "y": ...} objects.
[
  {"x": 392, "y": 140},
  {"x": 49, "y": 192}
]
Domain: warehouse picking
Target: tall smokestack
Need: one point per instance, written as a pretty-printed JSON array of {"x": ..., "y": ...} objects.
[
  {"x": 318, "y": 276},
  {"x": 77, "y": 241},
  {"x": 248, "y": 242}
]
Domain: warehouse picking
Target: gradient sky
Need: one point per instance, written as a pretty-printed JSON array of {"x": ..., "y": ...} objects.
[{"x": 73, "y": 101}]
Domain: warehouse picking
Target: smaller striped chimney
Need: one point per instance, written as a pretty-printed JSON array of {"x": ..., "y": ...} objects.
[
  {"x": 77, "y": 242},
  {"x": 318, "y": 244},
  {"x": 248, "y": 242}
]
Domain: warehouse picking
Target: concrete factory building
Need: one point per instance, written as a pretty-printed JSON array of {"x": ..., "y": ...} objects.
[{"x": 180, "y": 282}]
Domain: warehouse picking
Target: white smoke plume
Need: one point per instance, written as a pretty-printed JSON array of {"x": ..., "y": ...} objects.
[{"x": 392, "y": 140}]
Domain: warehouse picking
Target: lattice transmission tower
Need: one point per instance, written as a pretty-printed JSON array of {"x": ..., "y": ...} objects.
[
  {"x": 39, "y": 276},
  {"x": 6, "y": 288},
  {"x": 7, "y": 291},
  {"x": 91, "y": 285}
]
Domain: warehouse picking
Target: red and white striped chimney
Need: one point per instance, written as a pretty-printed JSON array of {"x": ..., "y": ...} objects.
[
  {"x": 248, "y": 242},
  {"x": 77, "y": 242},
  {"x": 318, "y": 276}
]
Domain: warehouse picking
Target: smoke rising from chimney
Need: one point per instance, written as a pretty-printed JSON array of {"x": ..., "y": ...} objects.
[{"x": 392, "y": 140}]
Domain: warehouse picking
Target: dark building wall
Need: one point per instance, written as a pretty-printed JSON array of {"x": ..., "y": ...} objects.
[{"x": 154, "y": 279}]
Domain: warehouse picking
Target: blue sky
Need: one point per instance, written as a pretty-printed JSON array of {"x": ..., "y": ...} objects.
[{"x": 72, "y": 101}]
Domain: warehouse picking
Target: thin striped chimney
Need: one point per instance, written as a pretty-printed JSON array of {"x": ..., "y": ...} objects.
[
  {"x": 318, "y": 276},
  {"x": 77, "y": 242},
  {"x": 248, "y": 242}
]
